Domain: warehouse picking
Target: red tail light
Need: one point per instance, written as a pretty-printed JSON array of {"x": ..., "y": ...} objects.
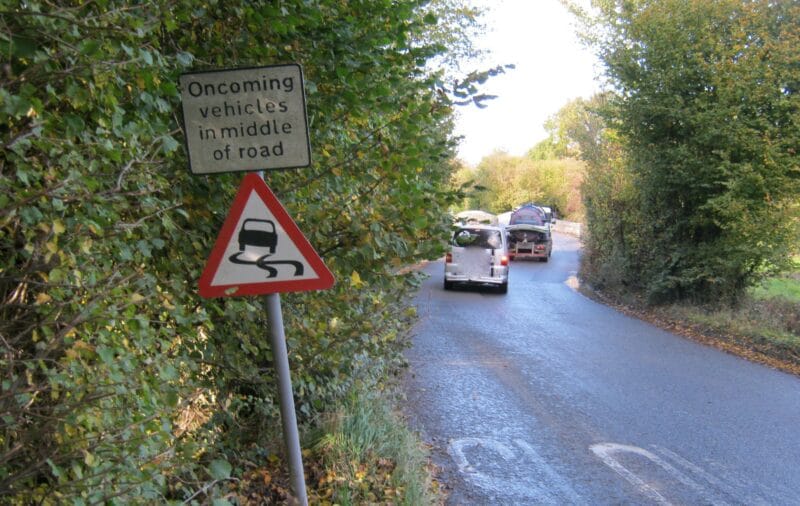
[
  {"x": 504, "y": 260},
  {"x": 448, "y": 258}
]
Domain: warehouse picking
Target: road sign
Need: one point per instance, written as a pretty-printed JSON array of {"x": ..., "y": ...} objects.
[
  {"x": 245, "y": 119},
  {"x": 260, "y": 250}
]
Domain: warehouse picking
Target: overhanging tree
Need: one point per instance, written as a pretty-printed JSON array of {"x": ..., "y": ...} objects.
[{"x": 709, "y": 109}]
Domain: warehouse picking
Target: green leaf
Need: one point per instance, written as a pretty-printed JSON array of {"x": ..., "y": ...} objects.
[
  {"x": 106, "y": 354},
  {"x": 169, "y": 144},
  {"x": 220, "y": 469},
  {"x": 147, "y": 56},
  {"x": 89, "y": 47},
  {"x": 184, "y": 58},
  {"x": 74, "y": 124}
]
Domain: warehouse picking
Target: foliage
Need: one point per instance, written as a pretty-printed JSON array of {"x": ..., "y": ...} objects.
[
  {"x": 612, "y": 249},
  {"x": 502, "y": 182},
  {"x": 458, "y": 25},
  {"x": 572, "y": 132},
  {"x": 120, "y": 384},
  {"x": 707, "y": 111}
]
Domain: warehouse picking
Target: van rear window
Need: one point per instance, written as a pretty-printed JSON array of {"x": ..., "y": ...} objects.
[{"x": 477, "y": 238}]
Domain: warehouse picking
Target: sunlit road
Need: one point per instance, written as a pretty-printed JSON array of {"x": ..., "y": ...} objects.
[{"x": 542, "y": 396}]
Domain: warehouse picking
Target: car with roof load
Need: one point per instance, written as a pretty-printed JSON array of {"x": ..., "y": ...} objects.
[{"x": 528, "y": 234}]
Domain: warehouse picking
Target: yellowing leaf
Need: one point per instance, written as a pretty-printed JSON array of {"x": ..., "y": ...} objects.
[
  {"x": 136, "y": 298},
  {"x": 58, "y": 227},
  {"x": 355, "y": 280},
  {"x": 83, "y": 345},
  {"x": 43, "y": 298}
]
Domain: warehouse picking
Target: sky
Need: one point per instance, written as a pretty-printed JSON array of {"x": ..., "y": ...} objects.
[{"x": 552, "y": 68}]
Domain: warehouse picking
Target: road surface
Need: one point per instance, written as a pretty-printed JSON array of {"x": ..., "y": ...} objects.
[{"x": 543, "y": 396}]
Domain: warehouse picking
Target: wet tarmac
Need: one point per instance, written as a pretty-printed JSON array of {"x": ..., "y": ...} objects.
[{"x": 543, "y": 396}]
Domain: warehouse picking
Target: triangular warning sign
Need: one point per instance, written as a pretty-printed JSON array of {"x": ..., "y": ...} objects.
[{"x": 260, "y": 249}]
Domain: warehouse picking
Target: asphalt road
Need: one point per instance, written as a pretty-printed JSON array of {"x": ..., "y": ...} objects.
[{"x": 543, "y": 396}]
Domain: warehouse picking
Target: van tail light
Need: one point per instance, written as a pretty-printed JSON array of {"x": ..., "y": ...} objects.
[
  {"x": 448, "y": 258},
  {"x": 504, "y": 260}
]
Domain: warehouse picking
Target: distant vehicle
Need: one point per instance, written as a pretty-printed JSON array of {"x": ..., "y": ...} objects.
[
  {"x": 528, "y": 234},
  {"x": 260, "y": 233},
  {"x": 478, "y": 256},
  {"x": 529, "y": 241},
  {"x": 476, "y": 216},
  {"x": 549, "y": 214},
  {"x": 504, "y": 218}
]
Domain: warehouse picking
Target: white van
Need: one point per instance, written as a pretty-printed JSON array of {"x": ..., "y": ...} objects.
[{"x": 478, "y": 256}]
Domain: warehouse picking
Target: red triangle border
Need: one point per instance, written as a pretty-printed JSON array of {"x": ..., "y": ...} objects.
[{"x": 251, "y": 183}]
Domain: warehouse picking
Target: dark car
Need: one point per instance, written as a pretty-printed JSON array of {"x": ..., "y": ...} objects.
[{"x": 259, "y": 233}]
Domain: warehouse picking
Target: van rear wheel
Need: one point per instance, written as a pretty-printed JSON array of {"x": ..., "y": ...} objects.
[
  {"x": 503, "y": 288},
  {"x": 448, "y": 285}
]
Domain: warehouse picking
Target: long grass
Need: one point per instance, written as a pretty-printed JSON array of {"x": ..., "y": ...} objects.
[{"x": 368, "y": 456}]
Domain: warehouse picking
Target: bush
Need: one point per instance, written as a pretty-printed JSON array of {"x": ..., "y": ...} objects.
[
  {"x": 120, "y": 384},
  {"x": 707, "y": 111}
]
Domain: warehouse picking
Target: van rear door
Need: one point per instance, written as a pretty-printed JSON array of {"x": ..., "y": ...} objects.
[{"x": 473, "y": 262}]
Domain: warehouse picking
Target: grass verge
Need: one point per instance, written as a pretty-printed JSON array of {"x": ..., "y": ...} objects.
[
  {"x": 363, "y": 453},
  {"x": 366, "y": 455},
  {"x": 764, "y": 327}
]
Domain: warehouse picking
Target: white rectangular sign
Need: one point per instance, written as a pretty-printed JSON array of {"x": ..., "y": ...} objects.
[{"x": 245, "y": 119}]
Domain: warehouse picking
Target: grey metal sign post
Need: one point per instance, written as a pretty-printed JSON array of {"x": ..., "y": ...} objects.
[{"x": 291, "y": 436}]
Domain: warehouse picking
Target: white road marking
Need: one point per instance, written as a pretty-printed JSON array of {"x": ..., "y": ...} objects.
[
  {"x": 606, "y": 452},
  {"x": 519, "y": 472},
  {"x": 708, "y": 477}
]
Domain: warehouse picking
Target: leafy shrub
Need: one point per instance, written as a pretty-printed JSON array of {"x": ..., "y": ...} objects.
[
  {"x": 707, "y": 111},
  {"x": 120, "y": 384}
]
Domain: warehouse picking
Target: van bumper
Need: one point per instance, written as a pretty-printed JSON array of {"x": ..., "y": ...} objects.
[{"x": 498, "y": 279}]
